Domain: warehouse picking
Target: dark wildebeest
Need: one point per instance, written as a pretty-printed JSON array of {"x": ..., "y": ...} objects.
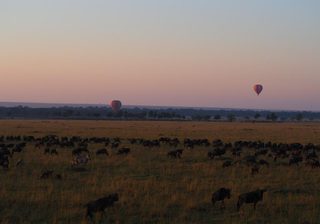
[
  {"x": 255, "y": 169},
  {"x": 123, "y": 151},
  {"x": 227, "y": 163},
  {"x": 263, "y": 162},
  {"x": 101, "y": 204},
  {"x": 249, "y": 160},
  {"x": 220, "y": 195},
  {"x": 251, "y": 197},
  {"x": 46, "y": 151},
  {"x": 313, "y": 163},
  {"x": 54, "y": 152},
  {"x": 102, "y": 152},
  {"x": 175, "y": 153},
  {"x": 115, "y": 145},
  {"x": 295, "y": 160},
  {"x": 79, "y": 151},
  {"x": 46, "y": 174},
  {"x": 4, "y": 161},
  {"x": 216, "y": 152}
]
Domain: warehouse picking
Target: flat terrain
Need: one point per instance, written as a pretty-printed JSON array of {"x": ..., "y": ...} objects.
[
  {"x": 152, "y": 187},
  {"x": 276, "y": 132}
]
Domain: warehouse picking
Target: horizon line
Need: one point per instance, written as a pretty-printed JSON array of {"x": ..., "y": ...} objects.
[{"x": 16, "y": 103}]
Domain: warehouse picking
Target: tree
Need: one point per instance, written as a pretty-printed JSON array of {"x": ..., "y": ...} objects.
[
  {"x": 272, "y": 117},
  {"x": 231, "y": 117},
  {"x": 257, "y": 116},
  {"x": 217, "y": 117},
  {"x": 299, "y": 117}
]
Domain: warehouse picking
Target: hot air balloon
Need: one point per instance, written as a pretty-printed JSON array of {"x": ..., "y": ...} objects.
[
  {"x": 258, "y": 88},
  {"x": 116, "y": 105}
]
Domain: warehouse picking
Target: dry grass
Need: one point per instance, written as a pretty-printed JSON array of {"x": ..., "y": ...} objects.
[{"x": 153, "y": 188}]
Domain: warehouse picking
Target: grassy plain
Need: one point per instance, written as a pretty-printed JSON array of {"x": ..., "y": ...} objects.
[{"x": 152, "y": 187}]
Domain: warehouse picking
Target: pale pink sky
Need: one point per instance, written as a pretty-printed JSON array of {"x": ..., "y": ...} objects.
[{"x": 194, "y": 54}]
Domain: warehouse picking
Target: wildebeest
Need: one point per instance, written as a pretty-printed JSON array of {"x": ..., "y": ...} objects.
[
  {"x": 46, "y": 174},
  {"x": 227, "y": 163},
  {"x": 313, "y": 163},
  {"x": 46, "y": 151},
  {"x": 175, "y": 153},
  {"x": 102, "y": 152},
  {"x": 4, "y": 161},
  {"x": 295, "y": 160},
  {"x": 216, "y": 152},
  {"x": 263, "y": 162},
  {"x": 115, "y": 145},
  {"x": 79, "y": 151},
  {"x": 220, "y": 195},
  {"x": 101, "y": 204},
  {"x": 123, "y": 151},
  {"x": 54, "y": 152},
  {"x": 250, "y": 197},
  {"x": 255, "y": 169},
  {"x": 249, "y": 160}
]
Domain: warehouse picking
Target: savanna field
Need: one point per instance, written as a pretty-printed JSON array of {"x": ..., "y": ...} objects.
[{"x": 152, "y": 187}]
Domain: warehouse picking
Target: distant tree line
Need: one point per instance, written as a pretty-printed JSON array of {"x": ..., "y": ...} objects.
[{"x": 98, "y": 113}]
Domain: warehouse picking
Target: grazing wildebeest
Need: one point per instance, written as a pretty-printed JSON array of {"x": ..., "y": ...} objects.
[
  {"x": 4, "y": 161},
  {"x": 102, "y": 152},
  {"x": 261, "y": 152},
  {"x": 115, "y": 145},
  {"x": 313, "y": 163},
  {"x": 46, "y": 151},
  {"x": 263, "y": 162},
  {"x": 101, "y": 204},
  {"x": 216, "y": 152},
  {"x": 255, "y": 169},
  {"x": 250, "y": 197},
  {"x": 236, "y": 151},
  {"x": 46, "y": 174},
  {"x": 18, "y": 148},
  {"x": 54, "y": 152},
  {"x": 175, "y": 153},
  {"x": 220, "y": 195},
  {"x": 79, "y": 151},
  {"x": 123, "y": 151},
  {"x": 249, "y": 160},
  {"x": 227, "y": 163},
  {"x": 295, "y": 160}
]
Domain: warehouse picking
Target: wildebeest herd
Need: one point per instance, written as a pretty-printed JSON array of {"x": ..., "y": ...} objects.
[{"x": 253, "y": 154}]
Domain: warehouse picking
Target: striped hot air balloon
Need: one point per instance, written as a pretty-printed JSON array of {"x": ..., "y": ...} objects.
[
  {"x": 116, "y": 105},
  {"x": 258, "y": 88}
]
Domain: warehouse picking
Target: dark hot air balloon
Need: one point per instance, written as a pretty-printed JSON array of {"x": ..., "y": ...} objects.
[
  {"x": 258, "y": 88},
  {"x": 116, "y": 105}
]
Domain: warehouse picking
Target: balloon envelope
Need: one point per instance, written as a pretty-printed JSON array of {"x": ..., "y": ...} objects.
[
  {"x": 116, "y": 105},
  {"x": 258, "y": 88}
]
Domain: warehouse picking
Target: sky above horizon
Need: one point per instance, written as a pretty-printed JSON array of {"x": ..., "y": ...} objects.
[{"x": 206, "y": 53}]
